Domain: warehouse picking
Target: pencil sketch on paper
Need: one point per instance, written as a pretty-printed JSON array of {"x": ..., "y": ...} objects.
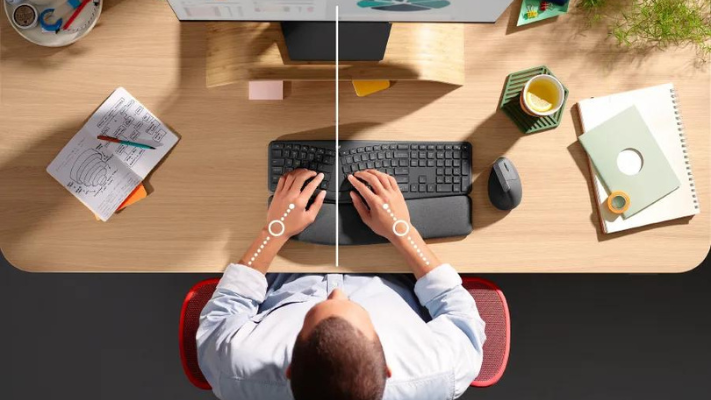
[{"x": 90, "y": 169}]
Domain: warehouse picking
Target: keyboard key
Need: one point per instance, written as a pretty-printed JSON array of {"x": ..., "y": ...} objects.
[
  {"x": 430, "y": 147},
  {"x": 440, "y": 171},
  {"x": 361, "y": 149},
  {"x": 423, "y": 188},
  {"x": 444, "y": 188},
  {"x": 368, "y": 148},
  {"x": 324, "y": 185},
  {"x": 413, "y": 188},
  {"x": 430, "y": 188},
  {"x": 277, "y": 146},
  {"x": 289, "y": 162},
  {"x": 277, "y": 170},
  {"x": 401, "y": 147},
  {"x": 276, "y": 153},
  {"x": 413, "y": 146},
  {"x": 430, "y": 163},
  {"x": 402, "y": 178},
  {"x": 457, "y": 171},
  {"x": 311, "y": 156},
  {"x": 378, "y": 164},
  {"x": 448, "y": 147},
  {"x": 278, "y": 162},
  {"x": 403, "y": 163},
  {"x": 447, "y": 179},
  {"x": 448, "y": 163},
  {"x": 440, "y": 179},
  {"x": 287, "y": 153},
  {"x": 457, "y": 179},
  {"x": 356, "y": 158},
  {"x": 401, "y": 171},
  {"x": 423, "y": 147},
  {"x": 370, "y": 165},
  {"x": 447, "y": 154},
  {"x": 456, "y": 163},
  {"x": 448, "y": 171},
  {"x": 372, "y": 156},
  {"x": 423, "y": 154},
  {"x": 362, "y": 166},
  {"x": 404, "y": 188},
  {"x": 401, "y": 154},
  {"x": 423, "y": 163},
  {"x": 413, "y": 163},
  {"x": 389, "y": 154},
  {"x": 393, "y": 147},
  {"x": 430, "y": 154},
  {"x": 349, "y": 159},
  {"x": 413, "y": 154},
  {"x": 440, "y": 163},
  {"x": 440, "y": 147},
  {"x": 457, "y": 155},
  {"x": 381, "y": 156},
  {"x": 390, "y": 171},
  {"x": 440, "y": 155},
  {"x": 320, "y": 151}
]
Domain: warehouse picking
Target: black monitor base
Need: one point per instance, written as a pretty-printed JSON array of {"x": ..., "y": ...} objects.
[{"x": 316, "y": 41}]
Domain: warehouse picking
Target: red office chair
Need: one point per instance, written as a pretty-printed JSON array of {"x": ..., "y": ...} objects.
[
  {"x": 193, "y": 304},
  {"x": 494, "y": 311},
  {"x": 489, "y": 299}
]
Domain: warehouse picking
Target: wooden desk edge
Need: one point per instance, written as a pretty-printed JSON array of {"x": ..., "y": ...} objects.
[{"x": 681, "y": 268}]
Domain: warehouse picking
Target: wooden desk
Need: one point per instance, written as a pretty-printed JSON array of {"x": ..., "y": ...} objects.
[{"x": 209, "y": 196}]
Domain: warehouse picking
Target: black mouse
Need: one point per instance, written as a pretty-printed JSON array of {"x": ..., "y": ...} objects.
[{"x": 505, "y": 190}]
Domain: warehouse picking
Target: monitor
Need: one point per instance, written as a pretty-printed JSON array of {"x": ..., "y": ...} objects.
[{"x": 309, "y": 25}]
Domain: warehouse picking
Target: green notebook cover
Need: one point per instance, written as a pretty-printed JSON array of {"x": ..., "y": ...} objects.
[{"x": 627, "y": 130}]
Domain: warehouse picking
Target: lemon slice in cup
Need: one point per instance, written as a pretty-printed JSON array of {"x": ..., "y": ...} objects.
[{"x": 537, "y": 103}]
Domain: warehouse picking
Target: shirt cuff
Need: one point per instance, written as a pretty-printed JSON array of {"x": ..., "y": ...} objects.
[
  {"x": 244, "y": 281},
  {"x": 437, "y": 282}
]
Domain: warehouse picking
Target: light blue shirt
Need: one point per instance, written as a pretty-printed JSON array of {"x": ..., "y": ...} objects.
[{"x": 247, "y": 331}]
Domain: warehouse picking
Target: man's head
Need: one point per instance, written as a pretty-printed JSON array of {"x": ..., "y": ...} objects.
[{"x": 338, "y": 355}]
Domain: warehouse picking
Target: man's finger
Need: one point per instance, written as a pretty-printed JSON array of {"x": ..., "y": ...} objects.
[
  {"x": 280, "y": 184},
  {"x": 393, "y": 183},
  {"x": 372, "y": 180},
  {"x": 301, "y": 177},
  {"x": 316, "y": 205},
  {"x": 383, "y": 178},
  {"x": 310, "y": 189},
  {"x": 360, "y": 207},
  {"x": 364, "y": 191}
]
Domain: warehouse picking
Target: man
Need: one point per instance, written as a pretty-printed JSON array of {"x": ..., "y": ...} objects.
[{"x": 338, "y": 336}]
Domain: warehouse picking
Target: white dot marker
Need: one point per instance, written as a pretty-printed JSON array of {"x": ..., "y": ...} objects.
[
  {"x": 386, "y": 206},
  {"x": 261, "y": 247},
  {"x": 268, "y": 237},
  {"x": 252, "y": 259},
  {"x": 259, "y": 250},
  {"x": 285, "y": 214},
  {"x": 282, "y": 218},
  {"x": 249, "y": 263},
  {"x": 291, "y": 206}
]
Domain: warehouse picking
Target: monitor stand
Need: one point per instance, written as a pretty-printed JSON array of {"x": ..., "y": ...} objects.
[{"x": 316, "y": 41}]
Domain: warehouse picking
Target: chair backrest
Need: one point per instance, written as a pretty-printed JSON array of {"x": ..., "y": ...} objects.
[
  {"x": 489, "y": 299},
  {"x": 495, "y": 312},
  {"x": 193, "y": 304}
]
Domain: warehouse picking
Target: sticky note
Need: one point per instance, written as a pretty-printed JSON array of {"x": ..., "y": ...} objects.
[
  {"x": 266, "y": 90},
  {"x": 366, "y": 88},
  {"x": 138, "y": 194}
]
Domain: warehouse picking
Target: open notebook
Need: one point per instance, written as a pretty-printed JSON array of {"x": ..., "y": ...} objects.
[{"x": 659, "y": 109}]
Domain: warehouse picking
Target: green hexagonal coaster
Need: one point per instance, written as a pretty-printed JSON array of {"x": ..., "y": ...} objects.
[{"x": 512, "y": 107}]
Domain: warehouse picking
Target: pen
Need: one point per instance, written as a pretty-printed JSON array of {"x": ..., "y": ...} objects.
[{"x": 126, "y": 142}]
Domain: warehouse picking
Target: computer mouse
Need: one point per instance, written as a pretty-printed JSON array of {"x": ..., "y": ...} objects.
[{"x": 505, "y": 190}]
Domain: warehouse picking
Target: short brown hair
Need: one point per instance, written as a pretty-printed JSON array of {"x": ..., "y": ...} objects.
[{"x": 337, "y": 362}]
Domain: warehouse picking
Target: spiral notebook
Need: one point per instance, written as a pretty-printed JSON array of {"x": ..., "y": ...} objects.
[{"x": 659, "y": 108}]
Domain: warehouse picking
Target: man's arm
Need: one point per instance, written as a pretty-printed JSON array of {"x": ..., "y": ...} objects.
[
  {"x": 455, "y": 319},
  {"x": 243, "y": 286}
]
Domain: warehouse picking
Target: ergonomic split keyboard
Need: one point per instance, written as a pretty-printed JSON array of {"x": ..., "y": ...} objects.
[
  {"x": 434, "y": 177},
  {"x": 422, "y": 169}
]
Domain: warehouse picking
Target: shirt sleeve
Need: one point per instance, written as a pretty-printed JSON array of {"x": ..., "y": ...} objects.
[
  {"x": 455, "y": 322},
  {"x": 236, "y": 299}
]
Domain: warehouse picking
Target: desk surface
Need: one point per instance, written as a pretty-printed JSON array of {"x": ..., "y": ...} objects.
[{"x": 209, "y": 195}]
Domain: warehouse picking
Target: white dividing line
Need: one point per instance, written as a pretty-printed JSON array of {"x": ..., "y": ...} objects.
[{"x": 337, "y": 172}]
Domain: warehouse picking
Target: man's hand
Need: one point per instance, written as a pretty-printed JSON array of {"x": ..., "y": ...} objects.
[
  {"x": 372, "y": 211},
  {"x": 289, "y": 202},
  {"x": 385, "y": 212},
  {"x": 287, "y": 216}
]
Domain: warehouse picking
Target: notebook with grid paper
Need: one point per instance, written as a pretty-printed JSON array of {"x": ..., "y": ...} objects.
[{"x": 660, "y": 110}]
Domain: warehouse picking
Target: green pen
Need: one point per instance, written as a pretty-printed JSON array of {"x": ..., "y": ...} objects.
[{"x": 126, "y": 142}]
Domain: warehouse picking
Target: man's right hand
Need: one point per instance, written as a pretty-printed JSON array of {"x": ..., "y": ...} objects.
[{"x": 383, "y": 205}]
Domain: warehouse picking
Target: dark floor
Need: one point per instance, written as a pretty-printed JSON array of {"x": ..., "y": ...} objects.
[{"x": 575, "y": 337}]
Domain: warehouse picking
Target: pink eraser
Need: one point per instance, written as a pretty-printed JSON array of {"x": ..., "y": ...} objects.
[{"x": 266, "y": 90}]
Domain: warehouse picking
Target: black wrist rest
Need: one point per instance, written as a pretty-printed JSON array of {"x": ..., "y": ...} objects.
[{"x": 434, "y": 218}]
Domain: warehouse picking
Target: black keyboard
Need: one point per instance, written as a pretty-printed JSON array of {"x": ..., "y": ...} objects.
[{"x": 422, "y": 169}]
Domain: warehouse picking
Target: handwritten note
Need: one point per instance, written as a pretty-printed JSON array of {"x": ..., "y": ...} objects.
[{"x": 102, "y": 174}]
